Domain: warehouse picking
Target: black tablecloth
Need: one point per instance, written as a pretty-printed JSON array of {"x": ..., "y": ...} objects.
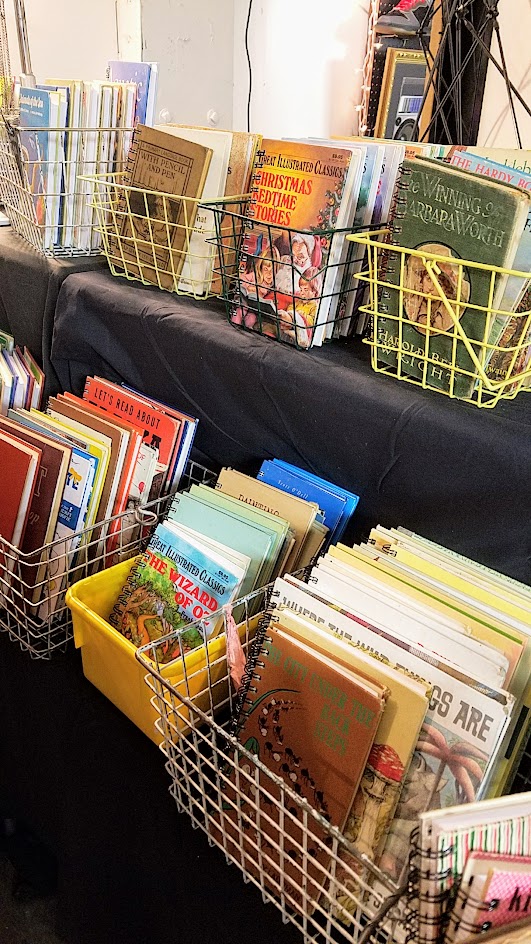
[
  {"x": 29, "y": 286},
  {"x": 94, "y": 789},
  {"x": 450, "y": 471}
]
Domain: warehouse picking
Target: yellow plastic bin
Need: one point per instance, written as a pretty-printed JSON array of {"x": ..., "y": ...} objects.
[{"x": 109, "y": 660}]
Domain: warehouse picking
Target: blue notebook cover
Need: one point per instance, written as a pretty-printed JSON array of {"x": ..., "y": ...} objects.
[
  {"x": 138, "y": 72},
  {"x": 35, "y": 116},
  {"x": 349, "y": 498}
]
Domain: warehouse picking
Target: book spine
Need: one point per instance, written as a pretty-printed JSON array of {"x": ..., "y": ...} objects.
[
  {"x": 257, "y": 653},
  {"x": 253, "y": 190}
]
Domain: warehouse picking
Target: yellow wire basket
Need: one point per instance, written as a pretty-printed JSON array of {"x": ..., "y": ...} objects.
[
  {"x": 155, "y": 238},
  {"x": 426, "y": 330}
]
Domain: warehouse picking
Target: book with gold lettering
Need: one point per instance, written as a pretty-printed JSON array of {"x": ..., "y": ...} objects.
[
  {"x": 456, "y": 215},
  {"x": 312, "y": 722}
]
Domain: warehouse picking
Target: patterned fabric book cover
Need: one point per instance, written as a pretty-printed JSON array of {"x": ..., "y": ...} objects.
[
  {"x": 495, "y": 890},
  {"x": 460, "y": 216},
  {"x": 312, "y": 723}
]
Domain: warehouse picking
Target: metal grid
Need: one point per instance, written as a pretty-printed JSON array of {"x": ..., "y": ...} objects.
[
  {"x": 33, "y": 586},
  {"x": 275, "y": 837},
  {"x": 154, "y": 237},
  {"x": 261, "y": 284},
  {"x": 410, "y": 286},
  {"x": 46, "y": 202}
]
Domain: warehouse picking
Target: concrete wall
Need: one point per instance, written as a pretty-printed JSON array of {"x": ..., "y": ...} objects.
[{"x": 304, "y": 60}]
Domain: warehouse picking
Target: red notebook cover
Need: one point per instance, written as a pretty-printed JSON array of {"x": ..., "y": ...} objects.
[{"x": 19, "y": 464}]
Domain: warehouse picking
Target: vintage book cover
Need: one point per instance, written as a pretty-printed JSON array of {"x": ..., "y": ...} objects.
[
  {"x": 285, "y": 264},
  {"x": 155, "y": 228},
  {"x": 20, "y": 466},
  {"x": 432, "y": 778},
  {"x": 300, "y": 513},
  {"x": 312, "y": 722},
  {"x": 159, "y": 430},
  {"x": 183, "y": 442},
  {"x": 248, "y": 537},
  {"x": 178, "y": 580},
  {"x": 274, "y": 523},
  {"x": 46, "y": 499},
  {"x": 495, "y": 890},
  {"x": 457, "y": 215},
  {"x": 196, "y": 272},
  {"x": 392, "y": 752}
]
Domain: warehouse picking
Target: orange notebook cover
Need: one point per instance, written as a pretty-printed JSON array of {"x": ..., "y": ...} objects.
[{"x": 312, "y": 723}]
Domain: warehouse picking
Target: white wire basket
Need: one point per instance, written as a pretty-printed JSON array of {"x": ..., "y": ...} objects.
[
  {"x": 45, "y": 199},
  {"x": 248, "y": 812},
  {"x": 33, "y": 585}
]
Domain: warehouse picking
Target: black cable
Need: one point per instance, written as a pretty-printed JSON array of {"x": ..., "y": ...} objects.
[{"x": 249, "y": 64}]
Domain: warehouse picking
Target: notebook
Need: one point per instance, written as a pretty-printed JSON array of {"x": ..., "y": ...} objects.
[{"x": 312, "y": 722}]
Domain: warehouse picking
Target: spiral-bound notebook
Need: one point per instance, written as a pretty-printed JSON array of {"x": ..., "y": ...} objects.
[
  {"x": 458, "y": 215},
  {"x": 495, "y": 890},
  {"x": 312, "y": 722},
  {"x": 448, "y": 837},
  {"x": 299, "y": 189}
]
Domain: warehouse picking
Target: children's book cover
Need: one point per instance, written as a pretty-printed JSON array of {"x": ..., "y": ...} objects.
[
  {"x": 139, "y": 73},
  {"x": 297, "y": 194},
  {"x": 176, "y": 582},
  {"x": 34, "y": 119}
]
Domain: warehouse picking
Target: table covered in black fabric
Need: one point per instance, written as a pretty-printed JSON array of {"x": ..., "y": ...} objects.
[
  {"x": 29, "y": 286},
  {"x": 448, "y": 470}
]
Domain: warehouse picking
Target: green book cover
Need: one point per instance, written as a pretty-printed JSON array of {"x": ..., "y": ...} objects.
[
  {"x": 460, "y": 216},
  {"x": 232, "y": 530}
]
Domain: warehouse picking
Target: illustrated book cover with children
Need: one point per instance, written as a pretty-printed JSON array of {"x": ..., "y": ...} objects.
[{"x": 286, "y": 276}]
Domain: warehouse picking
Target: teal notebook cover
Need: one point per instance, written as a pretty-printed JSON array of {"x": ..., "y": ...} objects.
[
  {"x": 278, "y": 526},
  {"x": 458, "y": 215},
  {"x": 237, "y": 533}
]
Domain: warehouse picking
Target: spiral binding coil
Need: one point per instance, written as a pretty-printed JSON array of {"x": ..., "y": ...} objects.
[
  {"x": 126, "y": 591},
  {"x": 255, "y": 650},
  {"x": 396, "y": 214}
]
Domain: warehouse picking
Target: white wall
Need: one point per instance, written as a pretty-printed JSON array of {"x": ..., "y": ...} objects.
[
  {"x": 67, "y": 38},
  {"x": 496, "y": 126},
  {"x": 304, "y": 59},
  {"x": 192, "y": 40}
]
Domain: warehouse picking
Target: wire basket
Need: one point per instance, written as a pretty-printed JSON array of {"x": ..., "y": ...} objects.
[
  {"x": 286, "y": 284},
  {"x": 46, "y": 202},
  {"x": 154, "y": 237},
  {"x": 425, "y": 332},
  {"x": 33, "y": 586},
  {"x": 212, "y": 773}
]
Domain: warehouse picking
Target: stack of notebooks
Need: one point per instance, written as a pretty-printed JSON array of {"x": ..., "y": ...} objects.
[
  {"x": 219, "y": 544},
  {"x": 167, "y": 239},
  {"x": 85, "y": 461},
  {"x": 21, "y": 378},
  {"x": 475, "y": 871},
  {"x": 69, "y": 128},
  {"x": 446, "y": 641}
]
